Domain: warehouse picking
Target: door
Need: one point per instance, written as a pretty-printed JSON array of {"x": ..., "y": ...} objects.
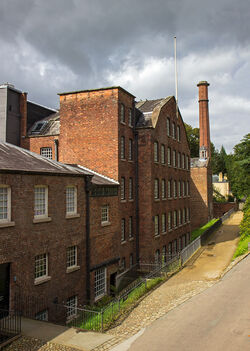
[{"x": 4, "y": 286}]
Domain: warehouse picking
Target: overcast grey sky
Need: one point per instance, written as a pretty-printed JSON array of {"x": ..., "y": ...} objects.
[{"x": 50, "y": 46}]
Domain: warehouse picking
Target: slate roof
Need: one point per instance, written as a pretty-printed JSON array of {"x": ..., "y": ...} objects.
[
  {"x": 52, "y": 126},
  {"x": 14, "y": 159},
  {"x": 148, "y": 111}
]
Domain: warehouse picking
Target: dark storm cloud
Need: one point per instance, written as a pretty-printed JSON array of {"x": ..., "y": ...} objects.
[{"x": 58, "y": 45}]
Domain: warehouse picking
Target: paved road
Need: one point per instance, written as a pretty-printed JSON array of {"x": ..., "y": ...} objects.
[{"x": 216, "y": 319}]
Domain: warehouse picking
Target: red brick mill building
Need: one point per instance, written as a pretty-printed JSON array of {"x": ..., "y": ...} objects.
[{"x": 135, "y": 158}]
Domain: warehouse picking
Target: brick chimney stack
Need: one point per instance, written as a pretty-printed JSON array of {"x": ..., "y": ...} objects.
[{"x": 205, "y": 149}]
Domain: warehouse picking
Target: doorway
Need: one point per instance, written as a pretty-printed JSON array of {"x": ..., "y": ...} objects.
[
  {"x": 4, "y": 286},
  {"x": 112, "y": 284}
]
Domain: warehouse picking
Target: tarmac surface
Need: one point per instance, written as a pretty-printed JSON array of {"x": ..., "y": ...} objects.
[{"x": 196, "y": 277}]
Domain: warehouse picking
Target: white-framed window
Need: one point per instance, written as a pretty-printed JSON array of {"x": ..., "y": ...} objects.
[
  {"x": 41, "y": 201},
  {"x": 178, "y": 133},
  {"x": 174, "y": 158},
  {"x": 188, "y": 214},
  {"x": 173, "y": 130},
  {"x": 71, "y": 200},
  {"x": 156, "y": 220},
  {"x": 131, "y": 260},
  {"x": 156, "y": 152},
  {"x": 130, "y": 189},
  {"x": 105, "y": 214},
  {"x": 179, "y": 188},
  {"x": 179, "y": 160},
  {"x": 163, "y": 156},
  {"x": 175, "y": 189},
  {"x": 168, "y": 127},
  {"x": 122, "y": 113},
  {"x": 163, "y": 189},
  {"x": 123, "y": 193},
  {"x": 42, "y": 315},
  {"x": 164, "y": 254},
  {"x": 130, "y": 117},
  {"x": 100, "y": 282},
  {"x": 123, "y": 229},
  {"x": 41, "y": 266},
  {"x": 163, "y": 223},
  {"x": 71, "y": 307},
  {"x": 169, "y": 189},
  {"x": 187, "y": 188},
  {"x": 187, "y": 162},
  {"x": 183, "y": 161},
  {"x": 184, "y": 215},
  {"x": 169, "y": 220},
  {"x": 46, "y": 152},
  {"x": 130, "y": 150},
  {"x": 169, "y": 156},
  {"x": 71, "y": 256},
  {"x": 130, "y": 226},
  {"x": 123, "y": 148},
  {"x": 156, "y": 189},
  {"x": 5, "y": 203},
  {"x": 157, "y": 256},
  {"x": 175, "y": 218},
  {"x": 183, "y": 189}
]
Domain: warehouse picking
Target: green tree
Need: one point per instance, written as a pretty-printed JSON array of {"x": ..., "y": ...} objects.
[
  {"x": 193, "y": 139},
  {"x": 219, "y": 161}
]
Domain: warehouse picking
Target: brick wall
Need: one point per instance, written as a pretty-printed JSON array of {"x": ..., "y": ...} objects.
[
  {"x": 221, "y": 208},
  {"x": 35, "y": 144}
]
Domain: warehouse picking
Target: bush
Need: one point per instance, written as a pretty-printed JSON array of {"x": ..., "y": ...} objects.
[{"x": 242, "y": 247}]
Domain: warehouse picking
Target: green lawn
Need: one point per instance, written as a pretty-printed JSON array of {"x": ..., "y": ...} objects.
[{"x": 197, "y": 232}]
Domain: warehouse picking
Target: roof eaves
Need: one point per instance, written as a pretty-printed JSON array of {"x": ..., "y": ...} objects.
[{"x": 91, "y": 90}]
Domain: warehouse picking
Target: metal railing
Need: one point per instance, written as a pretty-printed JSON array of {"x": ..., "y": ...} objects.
[
  {"x": 10, "y": 325},
  {"x": 227, "y": 214},
  {"x": 189, "y": 250}
]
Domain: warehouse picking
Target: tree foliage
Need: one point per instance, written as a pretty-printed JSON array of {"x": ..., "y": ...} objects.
[{"x": 193, "y": 139}]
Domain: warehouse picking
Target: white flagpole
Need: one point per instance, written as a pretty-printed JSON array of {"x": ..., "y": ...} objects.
[{"x": 176, "y": 80}]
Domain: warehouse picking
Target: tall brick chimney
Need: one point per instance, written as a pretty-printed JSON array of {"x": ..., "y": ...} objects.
[{"x": 205, "y": 149}]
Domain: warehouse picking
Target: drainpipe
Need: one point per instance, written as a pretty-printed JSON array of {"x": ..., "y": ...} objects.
[
  {"x": 56, "y": 141},
  {"x": 87, "y": 191},
  {"x": 136, "y": 196}
]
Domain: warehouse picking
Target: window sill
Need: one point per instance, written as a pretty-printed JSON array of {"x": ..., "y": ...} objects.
[
  {"x": 170, "y": 230},
  {"x": 131, "y": 200},
  {"x": 157, "y": 200},
  {"x": 164, "y": 233},
  {"x": 157, "y": 236},
  {"x": 131, "y": 161},
  {"x": 123, "y": 242},
  {"x": 73, "y": 215},
  {"x": 123, "y": 200},
  {"x": 123, "y": 159},
  {"x": 123, "y": 123},
  {"x": 131, "y": 238},
  {"x": 42, "y": 220},
  {"x": 41, "y": 280},
  {"x": 105, "y": 224},
  {"x": 72, "y": 269},
  {"x": 7, "y": 224},
  {"x": 164, "y": 199}
]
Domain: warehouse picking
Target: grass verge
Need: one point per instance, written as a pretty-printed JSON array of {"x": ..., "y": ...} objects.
[
  {"x": 199, "y": 231},
  {"x": 242, "y": 247}
]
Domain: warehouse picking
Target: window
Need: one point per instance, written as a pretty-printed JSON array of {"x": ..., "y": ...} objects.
[
  {"x": 131, "y": 260},
  {"x": 184, "y": 241},
  {"x": 170, "y": 250},
  {"x": 156, "y": 189},
  {"x": 123, "y": 229},
  {"x": 122, "y": 147},
  {"x": 168, "y": 127},
  {"x": 71, "y": 256},
  {"x": 163, "y": 188},
  {"x": 183, "y": 161},
  {"x": 187, "y": 162},
  {"x": 71, "y": 307},
  {"x": 183, "y": 189},
  {"x": 163, "y": 223},
  {"x": 169, "y": 220},
  {"x": 164, "y": 254},
  {"x": 71, "y": 200},
  {"x": 184, "y": 215},
  {"x": 179, "y": 188},
  {"x": 123, "y": 264},
  {"x": 156, "y": 153},
  {"x": 174, "y": 247},
  {"x": 38, "y": 127},
  {"x": 179, "y": 212},
  {"x": 130, "y": 189},
  {"x": 41, "y": 266},
  {"x": 130, "y": 150},
  {"x": 41, "y": 201},
  {"x": 169, "y": 156},
  {"x": 187, "y": 188},
  {"x": 104, "y": 214},
  {"x": 180, "y": 244},
  {"x": 173, "y": 130},
  {"x": 175, "y": 218},
  {"x": 157, "y": 256},
  {"x": 130, "y": 118},
  {"x": 122, "y": 113},
  {"x": 178, "y": 133},
  {"x": 163, "y": 160},
  {"x": 42, "y": 316},
  {"x": 179, "y": 160},
  {"x": 174, "y": 158},
  {"x": 5, "y": 203},
  {"x": 188, "y": 214},
  {"x": 156, "y": 220},
  {"x": 169, "y": 189},
  {"x": 46, "y": 152},
  {"x": 175, "y": 189},
  {"x": 123, "y": 188},
  {"x": 130, "y": 226},
  {"x": 100, "y": 283}
]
